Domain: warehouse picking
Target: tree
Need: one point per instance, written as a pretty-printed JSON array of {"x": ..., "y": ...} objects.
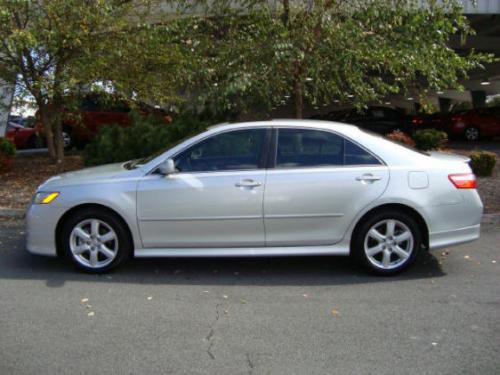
[
  {"x": 356, "y": 51},
  {"x": 57, "y": 48}
]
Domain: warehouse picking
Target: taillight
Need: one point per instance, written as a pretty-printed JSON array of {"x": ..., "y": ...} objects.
[
  {"x": 457, "y": 118},
  {"x": 463, "y": 180},
  {"x": 417, "y": 121}
]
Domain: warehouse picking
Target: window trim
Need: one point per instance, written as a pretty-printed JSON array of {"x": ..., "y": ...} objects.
[
  {"x": 274, "y": 151},
  {"x": 263, "y": 157}
]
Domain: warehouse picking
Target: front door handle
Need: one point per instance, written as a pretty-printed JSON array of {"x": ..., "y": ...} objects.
[
  {"x": 248, "y": 183},
  {"x": 368, "y": 177}
]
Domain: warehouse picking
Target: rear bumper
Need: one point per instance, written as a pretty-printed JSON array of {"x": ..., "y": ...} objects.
[{"x": 438, "y": 240}]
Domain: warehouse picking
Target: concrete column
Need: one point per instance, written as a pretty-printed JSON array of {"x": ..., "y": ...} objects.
[
  {"x": 478, "y": 98},
  {"x": 444, "y": 105},
  {"x": 6, "y": 96}
]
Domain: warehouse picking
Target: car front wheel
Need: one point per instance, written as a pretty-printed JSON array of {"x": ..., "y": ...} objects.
[
  {"x": 387, "y": 243},
  {"x": 471, "y": 134},
  {"x": 95, "y": 240}
]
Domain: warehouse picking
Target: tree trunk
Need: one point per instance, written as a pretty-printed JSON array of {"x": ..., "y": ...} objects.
[
  {"x": 58, "y": 139},
  {"x": 286, "y": 12},
  {"x": 47, "y": 127},
  {"x": 299, "y": 98}
]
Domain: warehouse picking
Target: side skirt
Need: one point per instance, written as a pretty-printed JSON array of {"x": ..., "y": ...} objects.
[{"x": 338, "y": 249}]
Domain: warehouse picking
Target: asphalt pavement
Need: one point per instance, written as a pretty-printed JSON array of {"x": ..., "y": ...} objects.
[{"x": 250, "y": 316}]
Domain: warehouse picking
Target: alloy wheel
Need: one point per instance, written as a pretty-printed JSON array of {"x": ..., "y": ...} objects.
[
  {"x": 93, "y": 243},
  {"x": 472, "y": 134},
  {"x": 388, "y": 244}
]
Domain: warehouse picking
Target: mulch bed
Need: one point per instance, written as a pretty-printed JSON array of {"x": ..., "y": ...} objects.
[
  {"x": 488, "y": 187},
  {"x": 28, "y": 172}
]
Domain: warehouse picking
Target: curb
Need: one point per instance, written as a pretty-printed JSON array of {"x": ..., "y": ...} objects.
[
  {"x": 12, "y": 213},
  {"x": 490, "y": 219},
  {"x": 17, "y": 213}
]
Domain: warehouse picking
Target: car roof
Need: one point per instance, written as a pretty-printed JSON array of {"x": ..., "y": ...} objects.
[{"x": 289, "y": 123}]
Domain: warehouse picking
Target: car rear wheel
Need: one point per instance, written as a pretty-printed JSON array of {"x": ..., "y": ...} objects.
[
  {"x": 67, "y": 139},
  {"x": 35, "y": 142},
  {"x": 95, "y": 240},
  {"x": 471, "y": 134},
  {"x": 387, "y": 242}
]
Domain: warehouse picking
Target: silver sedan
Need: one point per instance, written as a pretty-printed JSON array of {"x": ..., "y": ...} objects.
[{"x": 273, "y": 188}]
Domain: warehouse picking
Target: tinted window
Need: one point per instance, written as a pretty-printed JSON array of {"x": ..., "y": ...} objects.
[
  {"x": 377, "y": 113},
  {"x": 304, "y": 148},
  {"x": 355, "y": 155},
  {"x": 236, "y": 150},
  {"x": 313, "y": 148}
]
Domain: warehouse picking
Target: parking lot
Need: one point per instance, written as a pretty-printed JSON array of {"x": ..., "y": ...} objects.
[{"x": 267, "y": 316}]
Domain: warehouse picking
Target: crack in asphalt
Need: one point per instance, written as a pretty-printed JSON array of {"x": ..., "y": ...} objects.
[
  {"x": 249, "y": 363},
  {"x": 211, "y": 333}
]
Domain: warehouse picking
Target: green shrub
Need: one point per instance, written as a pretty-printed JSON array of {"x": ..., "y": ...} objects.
[
  {"x": 145, "y": 137},
  {"x": 430, "y": 139},
  {"x": 7, "y": 153},
  {"x": 483, "y": 162}
]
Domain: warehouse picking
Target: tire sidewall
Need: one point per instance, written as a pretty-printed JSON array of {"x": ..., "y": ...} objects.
[
  {"x": 124, "y": 240},
  {"x": 358, "y": 241}
]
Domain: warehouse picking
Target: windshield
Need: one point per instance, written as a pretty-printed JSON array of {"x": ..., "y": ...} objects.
[{"x": 132, "y": 164}]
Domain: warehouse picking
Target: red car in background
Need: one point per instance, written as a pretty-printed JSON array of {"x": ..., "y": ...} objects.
[
  {"x": 22, "y": 137},
  {"x": 470, "y": 125},
  {"x": 95, "y": 111},
  {"x": 475, "y": 124}
]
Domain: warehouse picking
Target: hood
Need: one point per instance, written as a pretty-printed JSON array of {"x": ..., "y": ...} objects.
[
  {"x": 102, "y": 173},
  {"x": 447, "y": 156}
]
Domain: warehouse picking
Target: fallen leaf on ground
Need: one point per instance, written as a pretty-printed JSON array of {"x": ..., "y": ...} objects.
[
  {"x": 84, "y": 300},
  {"x": 335, "y": 312}
]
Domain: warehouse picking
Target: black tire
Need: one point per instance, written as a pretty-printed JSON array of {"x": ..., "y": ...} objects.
[
  {"x": 35, "y": 142},
  {"x": 68, "y": 138},
  {"x": 472, "y": 134},
  {"x": 360, "y": 236},
  {"x": 124, "y": 247}
]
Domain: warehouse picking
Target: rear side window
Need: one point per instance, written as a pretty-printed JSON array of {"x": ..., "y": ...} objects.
[
  {"x": 298, "y": 148},
  {"x": 355, "y": 155}
]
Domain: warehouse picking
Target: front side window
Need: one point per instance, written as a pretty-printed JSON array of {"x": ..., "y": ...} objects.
[
  {"x": 298, "y": 148},
  {"x": 235, "y": 150}
]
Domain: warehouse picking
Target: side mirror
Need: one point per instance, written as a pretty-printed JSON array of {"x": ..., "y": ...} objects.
[{"x": 167, "y": 167}]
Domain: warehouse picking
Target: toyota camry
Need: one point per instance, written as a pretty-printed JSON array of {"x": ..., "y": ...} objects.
[{"x": 272, "y": 188}]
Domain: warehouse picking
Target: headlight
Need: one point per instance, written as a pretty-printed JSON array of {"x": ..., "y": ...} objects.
[{"x": 45, "y": 197}]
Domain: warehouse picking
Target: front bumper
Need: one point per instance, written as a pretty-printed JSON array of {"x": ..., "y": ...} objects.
[{"x": 41, "y": 223}]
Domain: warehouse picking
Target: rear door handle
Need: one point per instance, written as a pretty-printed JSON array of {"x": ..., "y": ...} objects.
[
  {"x": 248, "y": 183},
  {"x": 368, "y": 177}
]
